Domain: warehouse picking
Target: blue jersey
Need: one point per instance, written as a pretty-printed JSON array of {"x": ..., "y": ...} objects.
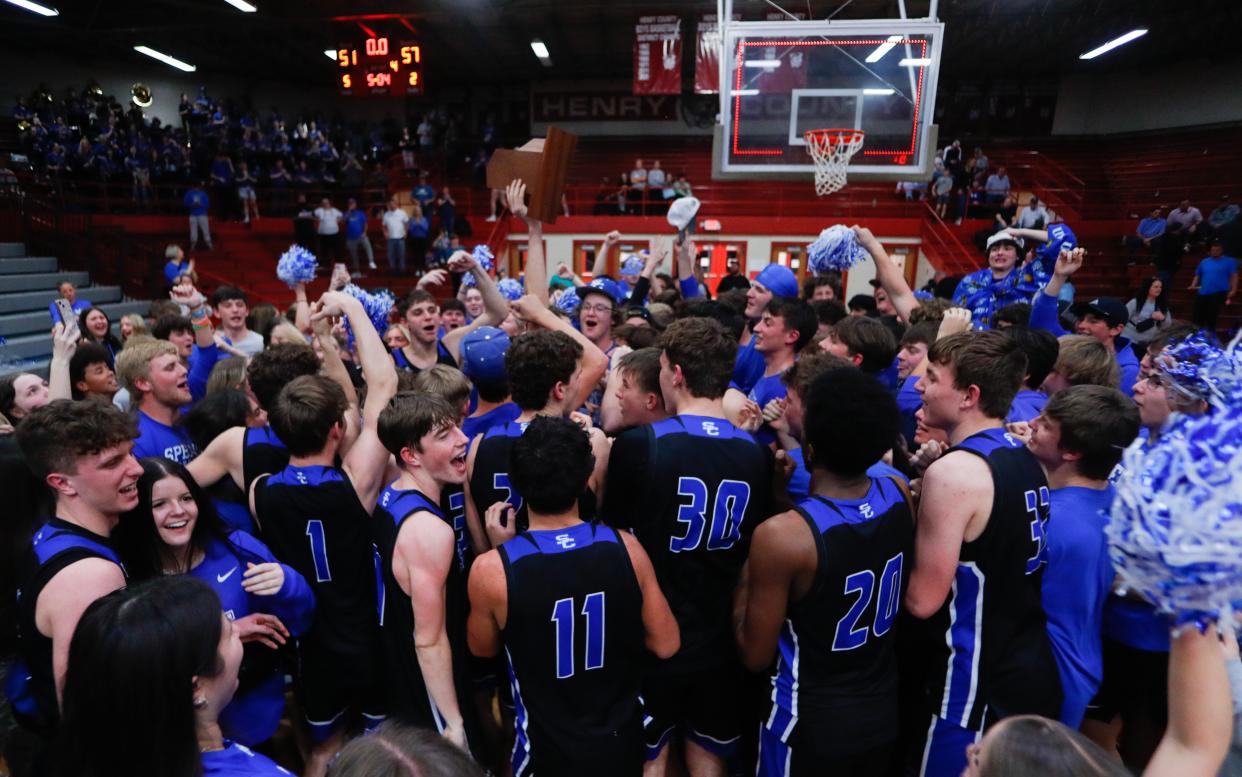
[
  {"x": 800, "y": 483},
  {"x": 239, "y": 761},
  {"x": 989, "y": 654},
  {"x": 499, "y": 415},
  {"x": 1076, "y": 585},
  {"x": 836, "y": 656},
  {"x": 255, "y": 711},
  {"x": 1026, "y": 405},
  {"x": 1060, "y": 238},
  {"x": 163, "y": 441},
  {"x": 765, "y": 390},
  {"x": 30, "y": 685}
]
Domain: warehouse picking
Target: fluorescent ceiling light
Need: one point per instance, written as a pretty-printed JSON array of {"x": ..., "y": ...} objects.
[
  {"x": 540, "y": 50},
  {"x": 764, "y": 63},
  {"x": 1107, "y": 47},
  {"x": 915, "y": 62},
  {"x": 879, "y": 92},
  {"x": 242, "y": 5},
  {"x": 330, "y": 54},
  {"x": 883, "y": 49},
  {"x": 27, "y": 5},
  {"x": 167, "y": 60},
  {"x": 745, "y": 92}
]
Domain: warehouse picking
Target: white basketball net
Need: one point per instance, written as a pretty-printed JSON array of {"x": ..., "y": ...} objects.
[{"x": 831, "y": 151}]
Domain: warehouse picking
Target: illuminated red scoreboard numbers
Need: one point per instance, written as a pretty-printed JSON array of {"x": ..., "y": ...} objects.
[{"x": 380, "y": 67}]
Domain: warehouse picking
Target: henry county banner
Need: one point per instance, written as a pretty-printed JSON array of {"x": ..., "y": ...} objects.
[{"x": 657, "y": 55}]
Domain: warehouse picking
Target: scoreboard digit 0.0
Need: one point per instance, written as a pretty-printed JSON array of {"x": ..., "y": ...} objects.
[{"x": 380, "y": 67}]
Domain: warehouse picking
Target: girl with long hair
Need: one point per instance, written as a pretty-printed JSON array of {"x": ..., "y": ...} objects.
[
  {"x": 96, "y": 327},
  {"x": 175, "y": 530},
  {"x": 151, "y": 668},
  {"x": 1149, "y": 314}
]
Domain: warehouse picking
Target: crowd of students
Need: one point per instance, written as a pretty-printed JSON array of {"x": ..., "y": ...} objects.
[{"x": 603, "y": 528}]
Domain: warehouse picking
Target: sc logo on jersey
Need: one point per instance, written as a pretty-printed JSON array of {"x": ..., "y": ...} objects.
[
  {"x": 865, "y": 510},
  {"x": 565, "y": 541},
  {"x": 710, "y": 428}
]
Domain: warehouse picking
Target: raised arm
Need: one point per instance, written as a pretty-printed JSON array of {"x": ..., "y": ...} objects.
[
  {"x": 64, "y": 345},
  {"x": 888, "y": 274},
  {"x": 594, "y": 362},
  {"x": 366, "y": 459},
  {"x": 208, "y": 353},
  {"x": 301, "y": 306},
  {"x": 495, "y": 306},
  {"x": 687, "y": 282},
  {"x": 605, "y": 249},
  {"x": 536, "y": 263},
  {"x": 1200, "y": 713}
]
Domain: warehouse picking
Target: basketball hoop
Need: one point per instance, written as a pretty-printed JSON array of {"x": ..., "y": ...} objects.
[{"x": 831, "y": 150}]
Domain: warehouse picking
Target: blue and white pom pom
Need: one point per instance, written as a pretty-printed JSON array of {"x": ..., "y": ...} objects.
[
  {"x": 1175, "y": 534},
  {"x": 568, "y": 302},
  {"x": 297, "y": 265},
  {"x": 836, "y": 248},
  {"x": 378, "y": 305},
  {"x": 483, "y": 255},
  {"x": 510, "y": 289}
]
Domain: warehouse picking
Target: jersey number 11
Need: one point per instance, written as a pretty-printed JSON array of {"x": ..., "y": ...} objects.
[{"x": 563, "y": 618}]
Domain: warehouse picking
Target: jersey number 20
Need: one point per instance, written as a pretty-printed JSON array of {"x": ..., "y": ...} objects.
[
  {"x": 563, "y": 617},
  {"x": 728, "y": 510},
  {"x": 849, "y": 634}
]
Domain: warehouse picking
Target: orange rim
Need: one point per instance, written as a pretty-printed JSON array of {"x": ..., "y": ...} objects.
[{"x": 831, "y": 137}]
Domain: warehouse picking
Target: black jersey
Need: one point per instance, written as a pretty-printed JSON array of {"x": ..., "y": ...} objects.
[
  {"x": 312, "y": 520},
  {"x": 489, "y": 481},
  {"x": 442, "y": 357},
  {"x": 31, "y": 683},
  {"x": 262, "y": 454},
  {"x": 692, "y": 488},
  {"x": 453, "y": 507},
  {"x": 836, "y": 658},
  {"x": 408, "y": 698},
  {"x": 989, "y": 654},
  {"x": 574, "y": 639}
]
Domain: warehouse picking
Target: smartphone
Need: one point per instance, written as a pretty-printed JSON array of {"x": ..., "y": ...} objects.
[{"x": 67, "y": 316}]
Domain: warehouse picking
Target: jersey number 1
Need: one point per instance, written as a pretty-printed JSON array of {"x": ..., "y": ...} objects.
[
  {"x": 563, "y": 618},
  {"x": 319, "y": 551}
]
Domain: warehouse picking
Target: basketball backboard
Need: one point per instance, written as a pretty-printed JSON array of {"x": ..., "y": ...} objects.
[{"x": 781, "y": 79}]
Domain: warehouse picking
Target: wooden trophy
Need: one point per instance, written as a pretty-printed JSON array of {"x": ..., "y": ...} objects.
[{"x": 542, "y": 164}]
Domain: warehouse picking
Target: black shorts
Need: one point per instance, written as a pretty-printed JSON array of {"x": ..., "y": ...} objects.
[
  {"x": 705, "y": 706},
  {"x": 799, "y": 750},
  {"x": 1136, "y": 683},
  {"x": 332, "y": 684}
]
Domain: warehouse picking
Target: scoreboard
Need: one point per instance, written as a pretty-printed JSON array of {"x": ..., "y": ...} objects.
[{"x": 380, "y": 67}]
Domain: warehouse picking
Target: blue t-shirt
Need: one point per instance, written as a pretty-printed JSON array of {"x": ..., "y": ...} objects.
[
  {"x": 417, "y": 227},
  {"x": 497, "y": 416},
  {"x": 908, "y": 403},
  {"x": 253, "y": 716},
  {"x": 747, "y": 367},
  {"x": 355, "y": 224},
  {"x": 78, "y": 307},
  {"x": 800, "y": 484},
  {"x": 196, "y": 201},
  {"x": 162, "y": 441},
  {"x": 1060, "y": 237},
  {"x": 1214, "y": 274},
  {"x": 239, "y": 761},
  {"x": 1076, "y": 585},
  {"x": 1151, "y": 227},
  {"x": 173, "y": 269},
  {"x": 424, "y": 193},
  {"x": 1026, "y": 405},
  {"x": 766, "y": 389}
]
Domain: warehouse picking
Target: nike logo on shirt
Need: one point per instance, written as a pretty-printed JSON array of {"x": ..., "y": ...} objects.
[{"x": 226, "y": 575}]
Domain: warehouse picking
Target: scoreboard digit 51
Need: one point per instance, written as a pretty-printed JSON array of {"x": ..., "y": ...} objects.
[{"x": 379, "y": 67}]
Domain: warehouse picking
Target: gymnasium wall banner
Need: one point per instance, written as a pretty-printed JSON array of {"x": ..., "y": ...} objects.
[
  {"x": 707, "y": 55},
  {"x": 657, "y": 55}
]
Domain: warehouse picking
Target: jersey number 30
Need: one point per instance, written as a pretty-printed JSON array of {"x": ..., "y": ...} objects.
[
  {"x": 563, "y": 618},
  {"x": 728, "y": 510}
]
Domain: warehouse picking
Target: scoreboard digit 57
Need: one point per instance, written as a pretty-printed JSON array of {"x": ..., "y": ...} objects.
[{"x": 380, "y": 68}]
